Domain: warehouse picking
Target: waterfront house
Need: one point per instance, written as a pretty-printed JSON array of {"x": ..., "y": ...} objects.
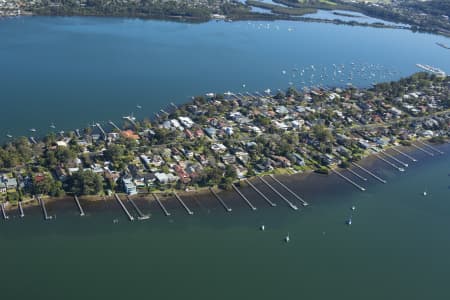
[{"x": 129, "y": 186}]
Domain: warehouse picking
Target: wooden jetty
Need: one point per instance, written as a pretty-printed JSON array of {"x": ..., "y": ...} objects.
[
  {"x": 356, "y": 174},
  {"x": 44, "y": 210},
  {"x": 290, "y": 191},
  {"x": 2, "y": 207},
  {"x": 279, "y": 194},
  {"x": 348, "y": 180},
  {"x": 77, "y": 201},
  {"x": 260, "y": 193},
  {"x": 182, "y": 203},
  {"x": 130, "y": 217},
  {"x": 101, "y": 130},
  {"x": 228, "y": 209},
  {"x": 405, "y": 154},
  {"x": 395, "y": 159},
  {"x": 389, "y": 163},
  {"x": 33, "y": 140},
  {"x": 431, "y": 147},
  {"x": 161, "y": 205},
  {"x": 370, "y": 173},
  {"x": 141, "y": 216},
  {"x": 21, "y": 213},
  {"x": 422, "y": 149},
  {"x": 243, "y": 196}
]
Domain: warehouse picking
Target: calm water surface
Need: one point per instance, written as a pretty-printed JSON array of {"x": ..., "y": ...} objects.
[
  {"x": 73, "y": 71},
  {"x": 397, "y": 247}
]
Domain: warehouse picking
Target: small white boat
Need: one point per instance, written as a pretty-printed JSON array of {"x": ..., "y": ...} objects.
[
  {"x": 138, "y": 106},
  {"x": 425, "y": 193},
  {"x": 349, "y": 221},
  {"x": 33, "y": 130},
  {"x": 263, "y": 227},
  {"x": 115, "y": 221},
  {"x": 53, "y": 126},
  {"x": 8, "y": 135},
  {"x": 287, "y": 238},
  {"x": 353, "y": 207},
  {"x": 267, "y": 91}
]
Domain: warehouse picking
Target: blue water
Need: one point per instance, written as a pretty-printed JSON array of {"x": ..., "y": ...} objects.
[{"x": 72, "y": 71}]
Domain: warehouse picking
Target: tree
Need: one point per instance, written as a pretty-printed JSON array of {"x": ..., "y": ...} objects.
[{"x": 86, "y": 183}]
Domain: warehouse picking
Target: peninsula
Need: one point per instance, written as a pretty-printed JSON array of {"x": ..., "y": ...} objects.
[{"x": 219, "y": 139}]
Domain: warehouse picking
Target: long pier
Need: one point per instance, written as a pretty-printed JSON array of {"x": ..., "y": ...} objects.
[
  {"x": 141, "y": 216},
  {"x": 101, "y": 130},
  {"x": 2, "y": 207},
  {"x": 161, "y": 205},
  {"x": 33, "y": 140},
  {"x": 395, "y": 159},
  {"x": 389, "y": 163},
  {"x": 260, "y": 193},
  {"x": 405, "y": 154},
  {"x": 44, "y": 210},
  {"x": 182, "y": 203},
  {"x": 290, "y": 191},
  {"x": 431, "y": 147},
  {"x": 422, "y": 149},
  {"x": 348, "y": 180},
  {"x": 357, "y": 175},
  {"x": 243, "y": 197},
  {"x": 79, "y": 206},
  {"x": 370, "y": 173},
  {"x": 130, "y": 217},
  {"x": 228, "y": 209},
  {"x": 114, "y": 125},
  {"x": 279, "y": 194},
  {"x": 22, "y": 214}
]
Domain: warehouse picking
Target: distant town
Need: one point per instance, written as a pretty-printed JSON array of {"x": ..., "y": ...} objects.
[
  {"x": 429, "y": 16},
  {"x": 215, "y": 140}
]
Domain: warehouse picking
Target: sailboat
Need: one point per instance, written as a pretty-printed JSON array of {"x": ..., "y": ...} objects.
[{"x": 287, "y": 238}]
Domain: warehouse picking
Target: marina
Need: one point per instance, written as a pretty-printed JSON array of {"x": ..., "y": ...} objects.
[
  {"x": 161, "y": 205},
  {"x": 243, "y": 196},
  {"x": 190, "y": 212},
  {"x": 348, "y": 180},
  {"x": 291, "y": 205},
  {"x": 227, "y": 208},
  {"x": 130, "y": 217},
  {"x": 260, "y": 193}
]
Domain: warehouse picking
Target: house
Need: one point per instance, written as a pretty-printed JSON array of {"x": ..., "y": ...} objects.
[
  {"x": 129, "y": 186},
  {"x": 165, "y": 178}
]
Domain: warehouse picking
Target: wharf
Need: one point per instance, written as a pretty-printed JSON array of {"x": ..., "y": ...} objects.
[
  {"x": 431, "y": 147},
  {"x": 130, "y": 217},
  {"x": 370, "y": 173},
  {"x": 101, "y": 130},
  {"x": 2, "y": 207},
  {"x": 405, "y": 154},
  {"x": 22, "y": 214},
  {"x": 348, "y": 180},
  {"x": 182, "y": 203},
  {"x": 289, "y": 190},
  {"x": 423, "y": 150},
  {"x": 44, "y": 210},
  {"x": 228, "y": 209},
  {"x": 77, "y": 201},
  {"x": 141, "y": 216},
  {"x": 161, "y": 205},
  {"x": 395, "y": 159},
  {"x": 357, "y": 175},
  {"x": 114, "y": 125},
  {"x": 279, "y": 194},
  {"x": 389, "y": 163},
  {"x": 260, "y": 193},
  {"x": 243, "y": 196}
]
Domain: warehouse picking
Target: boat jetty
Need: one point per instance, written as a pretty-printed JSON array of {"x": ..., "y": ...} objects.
[{"x": 431, "y": 69}]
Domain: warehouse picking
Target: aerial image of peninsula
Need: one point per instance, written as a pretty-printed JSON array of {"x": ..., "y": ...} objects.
[{"x": 224, "y": 149}]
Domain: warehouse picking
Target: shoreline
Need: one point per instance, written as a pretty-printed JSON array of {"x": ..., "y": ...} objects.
[{"x": 204, "y": 193}]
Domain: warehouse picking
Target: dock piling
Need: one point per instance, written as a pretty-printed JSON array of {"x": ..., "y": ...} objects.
[
  {"x": 2, "y": 207},
  {"x": 22, "y": 214},
  {"x": 395, "y": 159},
  {"x": 370, "y": 173},
  {"x": 79, "y": 205},
  {"x": 357, "y": 175},
  {"x": 404, "y": 154},
  {"x": 348, "y": 180},
  {"x": 389, "y": 163},
  {"x": 141, "y": 216},
  {"x": 431, "y": 147},
  {"x": 422, "y": 149},
  {"x": 44, "y": 210}
]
